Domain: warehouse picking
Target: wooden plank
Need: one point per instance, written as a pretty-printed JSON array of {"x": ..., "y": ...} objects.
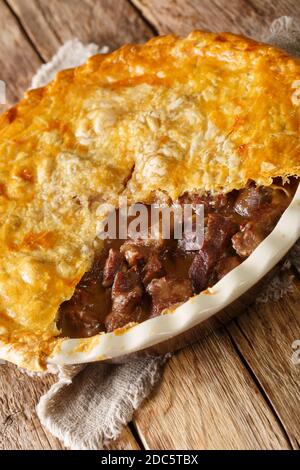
[
  {"x": 238, "y": 16},
  {"x": 126, "y": 441},
  {"x": 19, "y": 425},
  {"x": 264, "y": 337},
  {"x": 104, "y": 22},
  {"x": 208, "y": 400},
  {"x": 18, "y": 60}
]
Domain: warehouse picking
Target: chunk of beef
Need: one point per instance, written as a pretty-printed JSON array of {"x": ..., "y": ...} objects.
[
  {"x": 218, "y": 234},
  {"x": 210, "y": 202},
  {"x": 202, "y": 268},
  {"x": 245, "y": 241},
  {"x": 138, "y": 251},
  {"x": 255, "y": 231},
  {"x": 216, "y": 202},
  {"x": 83, "y": 315},
  {"x": 191, "y": 240},
  {"x": 251, "y": 199},
  {"x": 127, "y": 294},
  {"x": 225, "y": 265},
  {"x": 168, "y": 291},
  {"x": 134, "y": 252},
  {"x": 114, "y": 263},
  {"x": 153, "y": 269},
  {"x": 94, "y": 275}
]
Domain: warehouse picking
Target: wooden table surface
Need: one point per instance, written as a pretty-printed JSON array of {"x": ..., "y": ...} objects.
[{"x": 238, "y": 389}]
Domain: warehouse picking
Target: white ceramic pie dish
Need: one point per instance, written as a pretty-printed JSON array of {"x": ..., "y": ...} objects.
[
  {"x": 184, "y": 324},
  {"x": 191, "y": 320}
]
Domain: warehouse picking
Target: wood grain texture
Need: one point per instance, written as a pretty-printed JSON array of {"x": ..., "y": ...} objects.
[
  {"x": 207, "y": 400},
  {"x": 264, "y": 338},
  {"x": 19, "y": 425},
  {"x": 104, "y": 22},
  {"x": 125, "y": 441},
  {"x": 18, "y": 60},
  {"x": 250, "y": 18}
]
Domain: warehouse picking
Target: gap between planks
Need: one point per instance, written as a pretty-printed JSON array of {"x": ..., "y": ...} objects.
[
  {"x": 104, "y": 22},
  {"x": 23, "y": 30}
]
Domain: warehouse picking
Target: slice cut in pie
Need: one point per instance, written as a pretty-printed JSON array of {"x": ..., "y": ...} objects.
[{"x": 210, "y": 119}]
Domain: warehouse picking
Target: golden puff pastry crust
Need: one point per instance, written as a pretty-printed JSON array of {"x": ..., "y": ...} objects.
[{"x": 206, "y": 112}]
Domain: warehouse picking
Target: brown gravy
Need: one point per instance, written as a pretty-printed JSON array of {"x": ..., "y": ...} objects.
[{"x": 147, "y": 279}]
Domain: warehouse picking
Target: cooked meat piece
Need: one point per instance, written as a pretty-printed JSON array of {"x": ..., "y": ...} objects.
[
  {"x": 134, "y": 252},
  {"x": 218, "y": 233},
  {"x": 134, "y": 279},
  {"x": 202, "y": 268},
  {"x": 190, "y": 240},
  {"x": 84, "y": 314},
  {"x": 168, "y": 291},
  {"x": 92, "y": 276},
  {"x": 245, "y": 241},
  {"x": 255, "y": 231},
  {"x": 251, "y": 199},
  {"x": 138, "y": 251},
  {"x": 114, "y": 263},
  {"x": 153, "y": 269},
  {"x": 127, "y": 294},
  {"x": 209, "y": 201},
  {"x": 225, "y": 265},
  {"x": 217, "y": 201}
]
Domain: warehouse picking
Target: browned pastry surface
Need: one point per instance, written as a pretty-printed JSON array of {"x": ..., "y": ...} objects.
[{"x": 207, "y": 112}]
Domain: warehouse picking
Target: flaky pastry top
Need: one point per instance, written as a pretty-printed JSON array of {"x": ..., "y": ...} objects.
[{"x": 208, "y": 113}]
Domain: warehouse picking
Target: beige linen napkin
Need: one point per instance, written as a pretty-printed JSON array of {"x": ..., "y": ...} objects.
[{"x": 88, "y": 406}]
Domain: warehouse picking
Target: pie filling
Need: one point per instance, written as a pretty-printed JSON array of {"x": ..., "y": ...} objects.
[{"x": 136, "y": 279}]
